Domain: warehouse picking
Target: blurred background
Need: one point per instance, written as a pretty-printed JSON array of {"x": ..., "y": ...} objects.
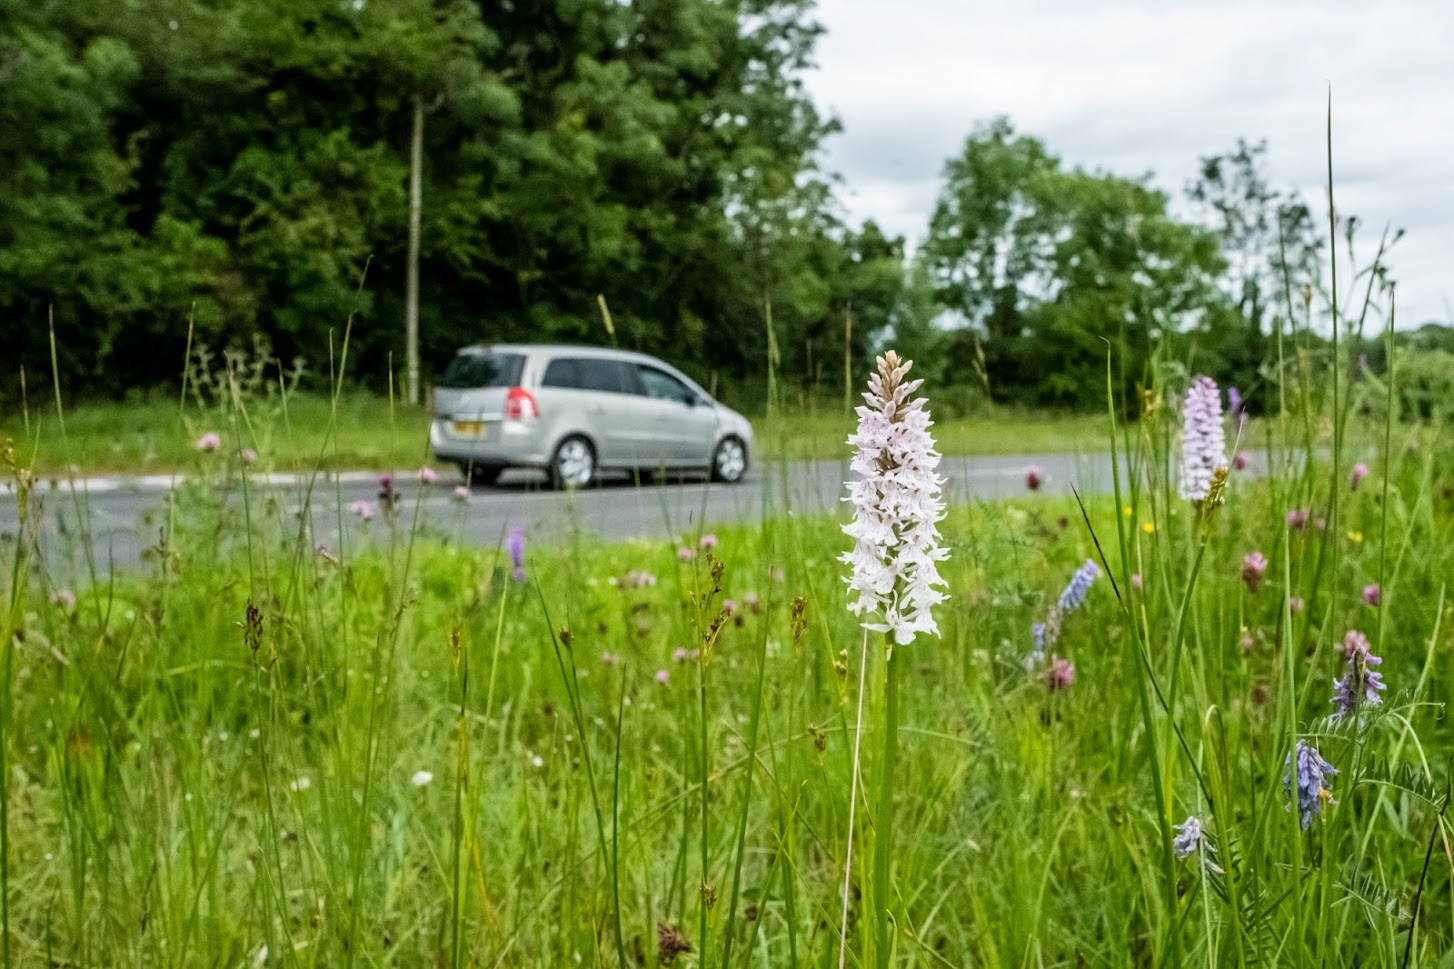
[{"x": 761, "y": 192}]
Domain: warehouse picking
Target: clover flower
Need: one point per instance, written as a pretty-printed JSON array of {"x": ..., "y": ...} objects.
[
  {"x": 1353, "y": 641},
  {"x": 1311, "y": 770},
  {"x": 685, "y": 554},
  {"x": 421, "y": 778},
  {"x": 663, "y": 677},
  {"x": 1254, "y": 567},
  {"x": 209, "y": 442},
  {"x": 248, "y": 455},
  {"x": 1203, "y": 443},
  {"x": 461, "y": 493},
  {"x": 708, "y": 542},
  {"x": 388, "y": 497},
  {"x": 896, "y": 509},
  {"x": 1360, "y": 471},
  {"x": 515, "y": 546},
  {"x": 1032, "y": 478},
  {"x": 427, "y": 475},
  {"x": 64, "y": 599},
  {"x": 1239, "y": 463},
  {"x": 1372, "y": 594},
  {"x": 363, "y": 509},
  {"x": 1359, "y": 684},
  {"x": 1060, "y": 675},
  {"x": 1297, "y": 519}
]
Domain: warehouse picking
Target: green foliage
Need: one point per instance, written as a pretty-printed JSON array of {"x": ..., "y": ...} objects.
[
  {"x": 242, "y": 164},
  {"x": 1044, "y": 265}
]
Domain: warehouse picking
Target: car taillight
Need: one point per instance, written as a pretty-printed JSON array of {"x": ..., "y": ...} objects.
[{"x": 519, "y": 405}]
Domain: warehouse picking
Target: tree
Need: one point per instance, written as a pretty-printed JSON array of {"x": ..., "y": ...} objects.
[
  {"x": 243, "y": 165},
  {"x": 1042, "y": 264},
  {"x": 1272, "y": 249}
]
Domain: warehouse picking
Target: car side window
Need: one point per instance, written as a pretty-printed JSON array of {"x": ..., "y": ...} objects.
[
  {"x": 562, "y": 372},
  {"x": 589, "y": 373},
  {"x": 660, "y": 385}
]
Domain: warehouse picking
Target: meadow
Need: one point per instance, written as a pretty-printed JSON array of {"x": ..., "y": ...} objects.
[{"x": 258, "y": 751}]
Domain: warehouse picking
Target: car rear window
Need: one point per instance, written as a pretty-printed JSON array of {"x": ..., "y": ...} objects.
[
  {"x": 474, "y": 370},
  {"x": 590, "y": 373}
]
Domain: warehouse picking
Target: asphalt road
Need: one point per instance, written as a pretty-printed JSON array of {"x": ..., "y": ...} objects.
[{"x": 123, "y": 516}]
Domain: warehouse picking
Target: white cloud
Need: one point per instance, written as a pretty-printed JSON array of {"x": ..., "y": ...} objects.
[{"x": 1132, "y": 86}]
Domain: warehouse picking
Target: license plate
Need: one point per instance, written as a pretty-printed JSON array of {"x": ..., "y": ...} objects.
[{"x": 469, "y": 428}]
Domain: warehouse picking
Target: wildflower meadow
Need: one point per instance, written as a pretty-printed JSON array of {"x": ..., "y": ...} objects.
[{"x": 1196, "y": 720}]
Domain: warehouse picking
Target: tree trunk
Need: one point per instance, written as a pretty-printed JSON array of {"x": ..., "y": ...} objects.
[{"x": 411, "y": 285}]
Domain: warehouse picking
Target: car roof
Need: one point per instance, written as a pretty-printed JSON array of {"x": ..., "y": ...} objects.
[{"x": 556, "y": 348}]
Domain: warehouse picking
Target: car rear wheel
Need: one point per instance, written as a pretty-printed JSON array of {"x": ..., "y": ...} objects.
[
  {"x": 729, "y": 461},
  {"x": 573, "y": 464}
]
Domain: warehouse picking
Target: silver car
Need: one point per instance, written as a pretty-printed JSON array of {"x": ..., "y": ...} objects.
[{"x": 578, "y": 411}]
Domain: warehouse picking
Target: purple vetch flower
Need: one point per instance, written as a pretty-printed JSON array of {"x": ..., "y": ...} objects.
[
  {"x": 1239, "y": 463},
  {"x": 1060, "y": 675},
  {"x": 1203, "y": 443},
  {"x": 1360, "y": 471},
  {"x": 1074, "y": 594},
  {"x": 894, "y": 578},
  {"x": 63, "y": 599},
  {"x": 1372, "y": 594},
  {"x": 209, "y": 442},
  {"x": 1038, "y": 635},
  {"x": 1032, "y": 478},
  {"x": 1311, "y": 771},
  {"x": 515, "y": 546},
  {"x": 1192, "y": 840},
  {"x": 1297, "y": 519},
  {"x": 1234, "y": 400},
  {"x": 1254, "y": 567},
  {"x": 1359, "y": 684},
  {"x": 1189, "y": 837}
]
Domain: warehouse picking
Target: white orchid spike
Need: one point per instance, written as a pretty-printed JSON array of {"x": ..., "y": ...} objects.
[{"x": 896, "y": 509}]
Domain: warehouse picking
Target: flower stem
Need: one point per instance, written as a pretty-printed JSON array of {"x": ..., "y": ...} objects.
[{"x": 884, "y": 842}]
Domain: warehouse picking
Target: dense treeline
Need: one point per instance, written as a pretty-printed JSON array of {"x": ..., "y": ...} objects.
[
  {"x": 243, "y": 166},
  {"x": 244, "y": 163}
]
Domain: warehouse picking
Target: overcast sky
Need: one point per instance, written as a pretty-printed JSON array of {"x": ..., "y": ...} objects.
[{"x": 1133, "y": 86}]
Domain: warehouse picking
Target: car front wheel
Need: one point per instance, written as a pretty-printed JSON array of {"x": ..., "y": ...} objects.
[
  {"x": 574, "y": 463},
  {"x": 729, "y": 461}
]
